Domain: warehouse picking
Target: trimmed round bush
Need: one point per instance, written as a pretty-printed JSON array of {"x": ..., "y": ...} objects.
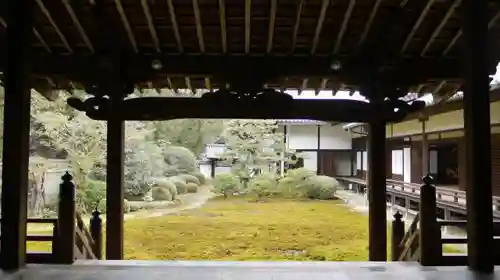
[
  {"x": 320, "y": 187},
  {"x": 192, "y": 188},
  {"x": 264, "y": 185},
  {"x": 200, "y": 176},
  {"x": 161, "y": 194},
  {"x": 291, "y": 185},
  {"x": 180, "y": 184},
  {"x": 102, "y": 206},
  {"x": 168, "y": 185},
  {"x": 190, "y": 178},
  {"x": 179, "y": 160},
  {"x": 226, "y": 184}
]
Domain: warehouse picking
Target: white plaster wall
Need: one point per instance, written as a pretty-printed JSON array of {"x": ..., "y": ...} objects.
[
  {"x": 206, "y": 169},
  {"x": 365, "y": 160},
  {"x": 214, "y": 150},
  {"x": 302, "y": 137},
  {"x": 397, "y": 162},
  {"x": 407, "y": 165},
  {"x": 440, "y": 122},
  {"x": 433, "y": 162},
  {"x": 222, "y": 169},
  {"x": 359, "y": 156},
  {"x": 342, "y": 164},
  {"x": 334, "y": 138},
  {"x": 310, "y": 160}
]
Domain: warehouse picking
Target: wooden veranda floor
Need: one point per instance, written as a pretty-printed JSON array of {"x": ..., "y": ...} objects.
[{"x": 211, "y": 270}]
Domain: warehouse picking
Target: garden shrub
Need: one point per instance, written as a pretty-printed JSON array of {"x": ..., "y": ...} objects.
[
  {"x": 263, "y": 186},
  {"x": 180, "y": 184},
  {"x": 179, "y": 160},
  {"x": 93, "y": 192},
  {"x": 134, "y": 207},
  {"x": 192, "y": 188},
  {"x": 226, "y": 184},
  {"x": 201, "y": 177},
  {"x": 319, "y": 187},
  {"x": 291, "y": 184},
  {"x": 190, "y": 178},
  {"x": 102, "y": 206},
  {"x": 169, "y": 186},
  {"x": 161, "y": 194}
]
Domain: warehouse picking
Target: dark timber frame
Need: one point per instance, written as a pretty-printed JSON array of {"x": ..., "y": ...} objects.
[{"x": 379, "y": 59}]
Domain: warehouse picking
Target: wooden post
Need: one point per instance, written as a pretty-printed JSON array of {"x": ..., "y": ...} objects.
[
  {"x": 16, "y": 133},
  {"x": 425, "y": 149},
  {"x": 96, "y": 233},
  {"x": 114, "y": 190},
  {"x": 67, "y": 221},
  {"x": 477, "y": 135},
  {"x": 431, "y": 251},
  {"x": 377, "y": 192},
  {"x": 398, "y": 232}
]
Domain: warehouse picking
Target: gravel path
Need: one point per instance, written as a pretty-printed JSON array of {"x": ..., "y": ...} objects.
[{"x": 187, "y": 202}]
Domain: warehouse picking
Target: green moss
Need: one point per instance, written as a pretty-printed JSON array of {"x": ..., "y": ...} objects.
[{"x": 235, "y": 229}]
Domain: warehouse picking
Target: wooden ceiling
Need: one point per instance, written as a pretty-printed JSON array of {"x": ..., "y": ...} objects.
[{"x": 286, "y": 44}]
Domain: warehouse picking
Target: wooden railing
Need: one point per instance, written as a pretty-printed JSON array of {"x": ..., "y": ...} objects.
[
  {"x": 423, "y": 240},
  {"x": 75, "y": 241},
  {"x": 70, "y": 237},
  {"x": 42, "y": 257}
]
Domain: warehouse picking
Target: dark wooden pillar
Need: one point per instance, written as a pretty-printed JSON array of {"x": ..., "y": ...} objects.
[
  {"x": 114, "y": 190},
  {"x": 425, "y": 150},
  {"x": 16, "y": 134},
  {"x": 377, "y": 192},
  {"x": 319, "y": 166},
  {"x": 462, "y": 160},
  {"x": 477, "y": 136}
]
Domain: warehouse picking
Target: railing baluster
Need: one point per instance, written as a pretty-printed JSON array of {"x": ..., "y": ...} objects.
[
  {"x": 96, "y": 232},
  {"x": 398, "y": 232},
  {"x": 431, "y": 251},
  {"x": 67, "y": 221}
]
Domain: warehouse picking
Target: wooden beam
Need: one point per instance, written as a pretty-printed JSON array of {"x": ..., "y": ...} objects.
[
  {"x": 248, "y": 21},
  {"x": 126, "y": 24},
  {"x": 303, "y": 86},
  {"x": 319, "y": 25},
  {"x": 324, "y": 81},
  {"x": 443, "y": 22},
  {"x": 459, "y": 33},
  {"x": 160, "y": 108},
  {"x": 343, "y": 28},
  {"x": 187, "y": 80},
  {"x": 199, "y": 26},
  {"x": 208, "y": 84},
  {"x": 35, "y": 31},
  {"x": 272, "y": 19},
  {"x": 368, "y": 24},
  {"x": 410, "y": 70},
  {"x": 175, "y": 27},
  {"x": 54, "y": 25},
  {"x": 296, "y": 26},
  {"x": 222, "y": 17},
  {"x": 78, "y": 25},
  {"x": 417, "y": 25},
  {"x": 151, "y": 26}
]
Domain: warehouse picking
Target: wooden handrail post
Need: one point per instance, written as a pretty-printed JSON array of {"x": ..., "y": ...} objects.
[
  {"x": 67, "y": 221},
  {"x": 431, "y": 251},
  {"x": 398, "y": 232},
  {"x": 96, "y": 232}
]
